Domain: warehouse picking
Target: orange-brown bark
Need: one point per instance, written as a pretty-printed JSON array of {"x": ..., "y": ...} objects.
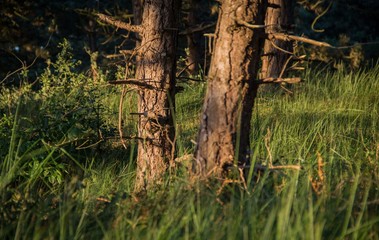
[
  {"x": 156, "y": 64},
  {"x": 225, "y": 120}
]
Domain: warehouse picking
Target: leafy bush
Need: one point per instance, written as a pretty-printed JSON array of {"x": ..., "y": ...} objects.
[{"x": 44, "y": 131}]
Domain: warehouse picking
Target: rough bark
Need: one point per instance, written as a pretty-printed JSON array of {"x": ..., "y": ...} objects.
[
  {"x": 137, "y": 17},
  {"x": 225, "y": 121},
  {"x": 279, "y": 18},
  {"x": 193, "y": 38},
  {"x": 156, "y": 68}
]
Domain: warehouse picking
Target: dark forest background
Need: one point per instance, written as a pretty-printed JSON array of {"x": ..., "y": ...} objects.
[{"x": 30, "y": 32}]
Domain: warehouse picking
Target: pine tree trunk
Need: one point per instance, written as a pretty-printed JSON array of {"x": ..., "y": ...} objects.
[
  {"x": 225, "y": 121},
  {"x": 156, "y": 70},
  {"x": 193, "y": 39},
  {"x": 137, "y": 17},
  {"x": 279, "y": 17}
]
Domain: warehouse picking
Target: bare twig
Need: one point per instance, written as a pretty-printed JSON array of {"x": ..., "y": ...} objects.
[
  {"x": 192, "y": 79},
  {"x": 279, "y": 48},
  {"x": 276, "y": 167},
  {"x": 211, "y": 37},
  {"x": 278, "y": 80},
  {"x": 199, "y": 28},
  {"x": 119, "y": 24},
  {"x": 133, "y": 81},
  {"x": 123, "y": 93},
  {"x": 24, "y": 66},
  {"x": 286, "y": 89},
  {"x": 285, "y": 66},
  {"x": 128, "y": 138},
  {"x": 82, "y": 146},
  {"x": 267, "y": 145},
  {"x": 249, "y": 25},
  {"x": 319, "y": 16},
  {"x": 183, "y": 70},
  {"x": 287, "y": 37},
  {"x": 258, "y": 167}
]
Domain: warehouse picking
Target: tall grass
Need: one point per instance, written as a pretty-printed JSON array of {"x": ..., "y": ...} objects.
[{"x": 329, "y": 126}]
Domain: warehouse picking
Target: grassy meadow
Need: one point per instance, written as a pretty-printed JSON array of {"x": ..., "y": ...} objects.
[{"x": 58, "y": 183}]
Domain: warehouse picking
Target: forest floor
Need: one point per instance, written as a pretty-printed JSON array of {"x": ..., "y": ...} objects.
[{"x": 328, "y": 126}]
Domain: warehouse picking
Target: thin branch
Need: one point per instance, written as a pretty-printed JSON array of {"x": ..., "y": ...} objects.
[
  {"x": 114, "y": 55},
  {"x": 275, "y": 167},
  {"x": 279, "y": 48},
  {"x": 128, "y": 52},
  {"x": 191, "y": 79},
  {"x": 119, "y": 24},
  {"x": 249, "y": 25},
  {"x": 120, "y": 108},
  {"x": 286, "y": 37},
  {"x": 133, "y": 81},
  {"x": 184, "y": 69},
  {"x": 286, "y": 89},
  {"x": 258, "y": 167},
  {"x": 128, "y": 138},
  {"x": 319, "y": 16},
  {"x": 355, "y": 44},
  {"x": 284, "y": 68},
  {"x": 278, "y": 80},
  {"x": 199, "y": 28}
]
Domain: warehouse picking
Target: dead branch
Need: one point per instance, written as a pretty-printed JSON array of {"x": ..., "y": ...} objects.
[
  {"x": 279, "y": 48},
  {"x": 120, "y": 108},
  {"x": 258, "y": 167},
  {"x": 278, "y": 80},
  {"x": 191, "y": 79},
  {"x": 283, "y": 36},
  {"x": 319, "y": 16},
  {"x": 199, "y": 28},
  {"x": 284, "y": 68},
  {"x": 183, "y": 70},
  {"x": 114, "y": 56},
  {"x": 119, "y": 24},
  {"x": 286, "y": 37},
  {"x": 128, "y": 138},
  {"x": 249, "y": 25},
  {"x": 133, "y": 81},
  {"x": 128, "y": 52}
]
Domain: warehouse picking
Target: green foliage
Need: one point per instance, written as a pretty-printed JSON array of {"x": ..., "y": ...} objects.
[
  {"x": 45, "y": 132},
  {"x": 70, "y": 101},
  {"x": 329, "y": 126}
]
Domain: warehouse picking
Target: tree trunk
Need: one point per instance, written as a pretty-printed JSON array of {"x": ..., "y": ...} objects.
[
  {"x": 137, "y": 17},
  {"x": 193, "y": 39},
  {"x": 225, "y": 121},
  {"x": 156, "y": 71},
  {"x": 279, "y": 18}
]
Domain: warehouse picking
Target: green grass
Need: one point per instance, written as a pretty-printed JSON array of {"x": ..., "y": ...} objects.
[{"x": 332, "y": 118}]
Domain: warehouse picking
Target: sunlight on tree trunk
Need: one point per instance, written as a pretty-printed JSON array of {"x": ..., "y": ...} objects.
[
  {"x": 225, "y": 121},
  {"x": 156, "y": 69}
]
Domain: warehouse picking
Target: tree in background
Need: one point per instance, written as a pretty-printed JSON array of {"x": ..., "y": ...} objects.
[
  {"x": 223, "y": 138},
  {"x": 279, "y": 18},
  {"x": 193, "y": 38}
]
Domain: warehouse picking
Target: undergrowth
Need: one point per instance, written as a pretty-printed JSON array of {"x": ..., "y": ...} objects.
[{"x": 59, "y": 182}]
